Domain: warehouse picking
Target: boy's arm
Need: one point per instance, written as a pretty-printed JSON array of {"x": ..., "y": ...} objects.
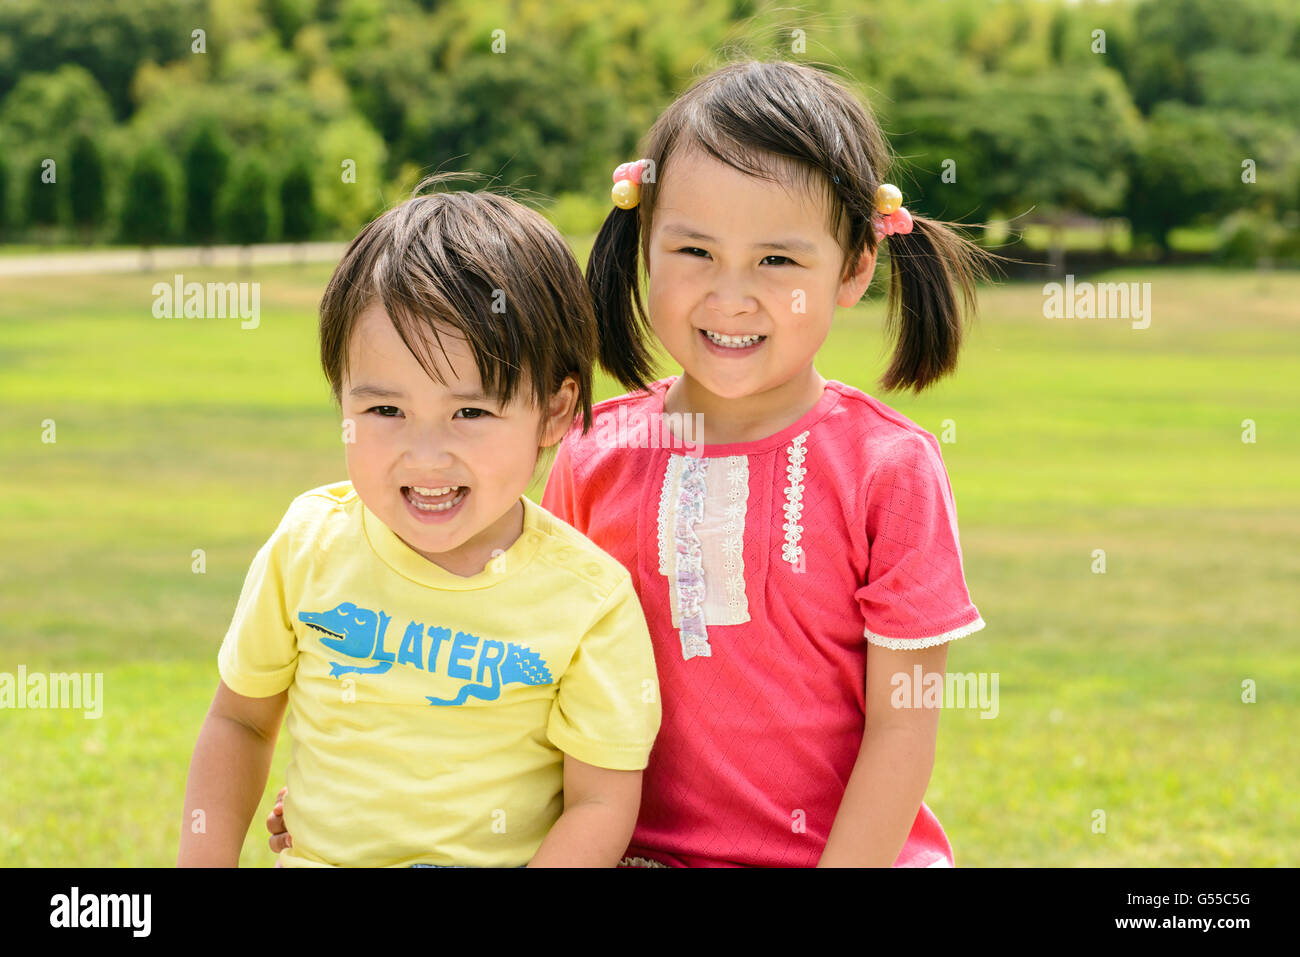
[
  {"x": 600, "y": 809},
  {"x": 227, "y": 776},
  {"x": 893, "y": 767}
]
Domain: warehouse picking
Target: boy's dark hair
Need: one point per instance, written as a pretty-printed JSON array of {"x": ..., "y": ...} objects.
[
  {"x": 786, "y": 122},
  {"x": 484, "y": 265}
]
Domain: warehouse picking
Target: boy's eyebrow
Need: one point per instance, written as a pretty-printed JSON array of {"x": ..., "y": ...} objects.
[
  {"x": 789, "y": 245},
  {"x": 376, "y": 392}
]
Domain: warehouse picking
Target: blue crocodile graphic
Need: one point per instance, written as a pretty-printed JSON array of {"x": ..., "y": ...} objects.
[
  {"x": 359, "y": 633},
  {"x": 522, "y": 665},
  {"x": 354, "y": 632}
]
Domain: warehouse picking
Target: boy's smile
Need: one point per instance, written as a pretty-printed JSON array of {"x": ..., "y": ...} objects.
[{"x": 441, "y": 464}]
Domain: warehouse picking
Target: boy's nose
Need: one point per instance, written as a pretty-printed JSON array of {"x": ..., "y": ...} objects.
[{"x": 430, "y": 449}]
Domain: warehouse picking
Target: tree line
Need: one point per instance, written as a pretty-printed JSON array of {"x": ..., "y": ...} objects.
[{"x": 155, "y": 121}]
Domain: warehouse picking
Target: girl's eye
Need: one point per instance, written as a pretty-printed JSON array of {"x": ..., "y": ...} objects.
[
  {"x": 387, "y": 411},
  {"x": 692, "y": 250},
  {"x": 471, "y": 413}
]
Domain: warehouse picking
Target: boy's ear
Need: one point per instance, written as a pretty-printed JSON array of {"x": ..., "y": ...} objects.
[
  {"x": 855, "y": 285},
  {"x": 558, "y": 414}
]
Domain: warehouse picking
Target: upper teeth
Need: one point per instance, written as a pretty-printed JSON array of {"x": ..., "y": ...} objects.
[
  {"x": 732, "y": 342},
  {"x": 434, "y": 491}
]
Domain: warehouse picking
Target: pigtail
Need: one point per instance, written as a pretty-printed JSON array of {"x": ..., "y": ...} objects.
[
  {"x": 933, "y": 274},
  {"x": 621, "y": 319}
]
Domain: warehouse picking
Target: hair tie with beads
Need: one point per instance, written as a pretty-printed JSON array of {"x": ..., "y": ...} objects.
[
  {"x": 890, "y": 218},
  {"x": 627, "y": 184}
]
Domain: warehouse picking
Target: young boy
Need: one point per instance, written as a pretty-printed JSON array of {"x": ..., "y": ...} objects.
[{"x": 470, "y": 680}]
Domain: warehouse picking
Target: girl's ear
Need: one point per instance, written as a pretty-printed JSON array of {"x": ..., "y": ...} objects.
[
  {"x": 558, "y": 414},
  {"x": 855, "y": 286}
]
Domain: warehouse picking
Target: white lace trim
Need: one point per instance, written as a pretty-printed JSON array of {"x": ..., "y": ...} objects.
[
  {"x": 640, "y": 862},
  {"x": 722, "y": 490},
  {"x": 665, "y": 497},
  {"x": 689, "y": 576},
  {"x": 791, "y": 551},
  {"x": 733, "y": 531},
  {"x": 903, "y": 644}
]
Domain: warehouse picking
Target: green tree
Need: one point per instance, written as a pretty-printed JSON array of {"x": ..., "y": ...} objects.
[
  {"x": 288, "y": 17},
  {"x": 148, "y": 209},
  {"x": 528, "y": 116},
  {"x": 109, "y": 40},
  {"x": 4, "y": 198},
  {"x": 43, "y": 194},
  {"x": 86, "y": 184},
  {"x": 246, "y": 206},
  {"x": 44, "y": 107},
  {"x": 348, "y": 173},
  {"x": 297, "y": 203},
  {"x": 1185, "y": 168},
  {"x": 1169, "y": 35},
  {"x": 206, "y": 161},
  {"x": 1053, "y": 147}
]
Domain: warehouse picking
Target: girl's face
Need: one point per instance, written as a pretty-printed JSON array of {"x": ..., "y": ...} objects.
[{"x": 744, "y": 276}]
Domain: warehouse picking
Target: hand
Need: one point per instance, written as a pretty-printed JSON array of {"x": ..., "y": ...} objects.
[{"x": 280, "y": 836}]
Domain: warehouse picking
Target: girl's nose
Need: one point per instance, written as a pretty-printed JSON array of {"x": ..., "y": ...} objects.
[{"x": 731, "y": 296}]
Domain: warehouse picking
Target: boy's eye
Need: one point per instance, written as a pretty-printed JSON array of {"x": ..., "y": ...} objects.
[
  {"x": 388, "y": 411},
  {"x": 471, "y": 413},
  {"x": 691, "y": 250},
  {"x": 786, "y": 258}
]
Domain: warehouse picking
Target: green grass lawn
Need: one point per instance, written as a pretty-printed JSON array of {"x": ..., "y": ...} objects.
[{"x": 1119, "y": 692}]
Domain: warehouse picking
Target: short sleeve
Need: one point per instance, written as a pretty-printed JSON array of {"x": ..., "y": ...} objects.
[
  {"x": 607, "y": 712},
  {"x": 259, "y": 655},
  {"x": 915, "y": 594},
  {"x": 558, "y": 497}
]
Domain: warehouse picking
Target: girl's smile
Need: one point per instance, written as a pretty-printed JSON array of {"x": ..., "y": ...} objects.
[{"x": 732, "y": 346}]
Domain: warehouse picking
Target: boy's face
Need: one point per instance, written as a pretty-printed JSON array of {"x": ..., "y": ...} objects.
[{"x": 442, "y": 465}]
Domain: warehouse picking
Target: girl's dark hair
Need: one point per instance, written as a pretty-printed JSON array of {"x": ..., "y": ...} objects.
[
  {"x": 482, "y": 264},
  {"x": 785, "y": 121}
]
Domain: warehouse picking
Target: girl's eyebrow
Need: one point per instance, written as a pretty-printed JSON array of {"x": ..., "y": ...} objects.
[{"x": 788, "y": 245}]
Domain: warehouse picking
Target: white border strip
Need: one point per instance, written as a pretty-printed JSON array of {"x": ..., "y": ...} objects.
[{"x": 902, "y": 644}]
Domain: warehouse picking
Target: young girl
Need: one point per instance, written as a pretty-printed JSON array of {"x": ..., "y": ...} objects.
[{"x": 807, "y": 553}]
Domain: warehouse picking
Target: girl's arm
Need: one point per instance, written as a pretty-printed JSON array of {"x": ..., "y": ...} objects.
[
  {"x": 600, "y": 808},
  {"x": 893, "y": 768},
  {"x": 227, "y": 776}
]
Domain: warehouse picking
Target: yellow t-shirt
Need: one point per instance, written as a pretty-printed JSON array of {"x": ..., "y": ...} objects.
[{"x": 430, "y": 713}]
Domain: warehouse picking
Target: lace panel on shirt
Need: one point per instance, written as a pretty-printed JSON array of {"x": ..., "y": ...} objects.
[{"x": 702, "y": 509}]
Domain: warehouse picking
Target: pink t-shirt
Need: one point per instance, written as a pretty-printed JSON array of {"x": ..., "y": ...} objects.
[{"x": 764, "y": 568}]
